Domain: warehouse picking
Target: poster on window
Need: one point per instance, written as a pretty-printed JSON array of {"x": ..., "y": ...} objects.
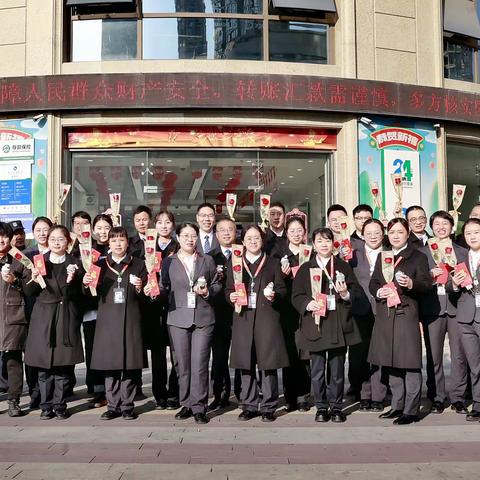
[{"x": 387, "y": 147}]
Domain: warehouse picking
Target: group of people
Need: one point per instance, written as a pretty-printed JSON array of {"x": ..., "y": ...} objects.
[{"x": 373, "y": 298}]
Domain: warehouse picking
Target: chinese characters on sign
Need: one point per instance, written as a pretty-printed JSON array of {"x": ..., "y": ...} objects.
[{"x": 169, "y": 90}]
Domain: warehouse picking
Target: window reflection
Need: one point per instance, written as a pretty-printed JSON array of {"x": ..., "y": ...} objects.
[
  {"x": 203, "y": 6},
  {"x": 207, "y": 38},
  {"x": 458, "y": 61}
]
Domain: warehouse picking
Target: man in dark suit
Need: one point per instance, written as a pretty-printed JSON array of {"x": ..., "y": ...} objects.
[
  {"x": 206, "y": 240},
  {"x": 276, "y": 233},
  {"x": 222, "y": 333},
  {"x": 361, "y": 213},
  {"x": 142, "y": 217},
  {"x": 417, "y": 221}
]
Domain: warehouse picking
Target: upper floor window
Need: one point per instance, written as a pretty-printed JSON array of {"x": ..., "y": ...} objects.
[
  {"x": 271, "y": 30},
  {"x": 461, "y": 25}
]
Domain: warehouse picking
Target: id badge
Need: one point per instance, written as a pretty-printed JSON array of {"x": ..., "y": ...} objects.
[
  {"x": 252, "y": 300},
  {"x": 477, "y": 300},
  {"x": 191, "y": 300},
  {"x": 441, "y": 290},
  {"x": 331, "y": 303},
  {"x": 118, "y": 295}
]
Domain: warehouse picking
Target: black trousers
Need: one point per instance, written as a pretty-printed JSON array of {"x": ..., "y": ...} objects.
[
  {"x": 358, "y": 367},
  {"x": 328, "y": 393},
  {"x": 54, "y": 384},
  {"x": 95, "y": 379},
  {"x": 13, "y": 364},
  {"x": 164, "y": 386},
  {"x": 31, "y": 375},
  {"x": 120, "y": 389},
  {"x": 220, "y": 374},
  {"x": 3, "y": 373}
]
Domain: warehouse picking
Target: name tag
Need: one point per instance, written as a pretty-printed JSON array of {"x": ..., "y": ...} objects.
[
  {"x": 191, "y": 300},
  {"x": 252, "y": 300},
  {"x": 331, "y": 303},
  {"x": 118, "y": 295},
  {"x": 441, "y": 290}
]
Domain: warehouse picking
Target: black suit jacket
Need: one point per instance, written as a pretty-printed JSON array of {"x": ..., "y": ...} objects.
[{"x": 223, "y": 308}]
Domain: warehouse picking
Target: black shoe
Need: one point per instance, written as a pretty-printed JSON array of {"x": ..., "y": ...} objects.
[
  {"x": 352, "y": 392},
  {"x": 3, "y": 390},
  {"x": 225, "y": 402},
  {"x": 391, "y": 414},
  {"x": 139, "y": 395},
  {"x": 290, "y": 407},
  {"x": 110, "y": 415},
  {"x": 14, "y": 408},
  {"x": 303, "y": 407},
  {"x": 338, "y": 416},
  {"x": 47, "y": 415},
  {"x": 473, "y": 416},
  {"x": 437, "y": 407},
  {"x": 376, "y": 407},
  {"x": 34, "y": 403},
  {"x": 322, "y": 415},
  {"x": 268, "y": 417},
  {"x": 406, "y": 420},
  {"x": 215, "y": 405},
  {"x": 200, "y": 418},
  {"x": 129, "y": 415},
  {"x": 161, "y": 404},
  {"x": 247, "y": 415},
  {"x": 459, "y": 407},
  {"x": 183, "y": 414},
  {"x": 61, "y": 414},
  {"x": 365, "y": 406},
  {"x": 173, "y": 404}
]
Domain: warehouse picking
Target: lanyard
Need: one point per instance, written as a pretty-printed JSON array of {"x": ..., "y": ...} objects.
[
  {"x": 255, "y": 275},
  {"x": 331, "y": 285},
  {"x": 399, "y": 259},
  {"x": 473, "y": 268},
  {"x": 119, "y": 274},
  {"x": 190, "y": 273}
]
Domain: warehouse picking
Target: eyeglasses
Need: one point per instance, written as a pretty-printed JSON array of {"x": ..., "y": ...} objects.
[
  {"x": 185, "y": 236},
  {"x": 373, "y": 235},
  {"x": 252, "y": 239},
  {"x": 226, "y": 230},
  {"x": 417, "y": 220},
  {"x": 206, "y": 215},
  {"x": 57, "y": 240},
  {"x": 298, "y": 231}
]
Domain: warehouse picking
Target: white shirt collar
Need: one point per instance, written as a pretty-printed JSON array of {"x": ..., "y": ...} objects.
[
  {"x": 54, "y": 258},
  {"x": 142, "y": 236},
  {"x": 278, "y": 234},
  {"x": 423, "y": 237},
  {"x": 118, "y": 261},
  {"x": 322, "y": 262},
  {"x": 205, "y": 234},
  {"x": 251, "y": 258},
  {"x": 225, "y": 249},
  {"x": 396, "y": 252},
  {"x": 373, "y": 250}
]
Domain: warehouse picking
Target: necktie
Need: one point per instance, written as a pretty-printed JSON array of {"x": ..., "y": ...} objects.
[
  {"x": 206, "y": 247},
  {"x": 228, "y": 254}
]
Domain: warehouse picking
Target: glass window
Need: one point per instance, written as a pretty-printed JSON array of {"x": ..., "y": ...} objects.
[
  {"x": 298, "y": 42},
  {"x": 459, "y": 61},
  {"x": 207, "y": 38},
  {"x": 203, "y": 6},
  {"x": 181, "y": 180},
  {"x": 95, "y": 40}
]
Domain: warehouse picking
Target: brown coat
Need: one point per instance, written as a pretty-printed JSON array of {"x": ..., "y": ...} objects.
[
  {"x": 54, "y": 333},
  {"x": 118, "y": 343},
  {"x": 259, "y": 329},
  {"x": 13, "y": 320}
]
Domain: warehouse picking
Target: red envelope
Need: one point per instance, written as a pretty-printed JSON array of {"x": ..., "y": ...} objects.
[
  {"x": 95, "y": 255},
  {"x": 321, "y": 298},
  {"x": 295, "y": 271},
  {"x": 346, "y": 243},
  {"x": 242, "y": 294},
  {"x": 468, "y": 282},
  {"x": 39, "y": 262},
  {"x": 442, "y": 279},
  {"x": 95, "y": 274},
  {"x": 158, "y": 262},
  {"x": 153, "y": 282},
  {"x": 393, "y": 301}
]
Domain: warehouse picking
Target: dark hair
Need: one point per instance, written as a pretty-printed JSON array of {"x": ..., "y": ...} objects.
[
  {"x": 255, "y": 227},
  {"x": 82, "y": 214},
  {"x": 468, "y": 222},
  {"x": 116, "y": 232},
  {"x": 105, "y": 218},
  {"x": 324, "y": 233},
  {"x": 413, "y": 207},
  {"x": 63, "y": 229},
  {"x": 336, "y": 207},
  {"x": 295, "y": 218},
  {"x": 442, "y": 214},
  {"x": 376, "y": 222},
  {"x": 42, "y": 219},
  {"x": 226, "y": 219},
  {"x": 400, "y": 220},
  {"x": 6, "y": 230},
  {"x": 143, "y": 209},
  {"x": 184, "y": 225},
  {"x": 279, "y": 205},
  {"x": 206, "y": 204},
  {"x": 169, "y": 215},
  {"x": 363, "y": 207}
]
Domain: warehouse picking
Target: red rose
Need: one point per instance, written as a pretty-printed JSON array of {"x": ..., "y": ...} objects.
[
  {"x": 150, "y": 237},
  {"x": 18, "y": 256},
  {"x": 388, "y": 260},
  {"x": 344, "y": 226},
  {"x": 306, "y": 252},
  {"x": 316, "y": 278},
  {"x": 448, "y": 250},
  {"x": 265, "y": 201},
  {"x": 116, "y": 198},
  {"x": 434, "y": 246},
  {"x": 237, "y": 253},
  {"x": 375, "y": 191},
  {"x": 459, "y": 192},
  {"x": 85, "y": 234},
  {"x": 86, "y": 253},
  {"x": 237, "y": 268},
  {"x": 231, "y": 201},
  {"x": 149, "y": 250},
  {"x": 398, "y": 181},
  {"x": 336, "y": 244}
]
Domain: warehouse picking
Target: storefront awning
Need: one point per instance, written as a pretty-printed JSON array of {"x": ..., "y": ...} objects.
[
  {"x": 75, "y": 3},
  {"x": 319, "y": 5},
  {"x": 460, "y": 16}
]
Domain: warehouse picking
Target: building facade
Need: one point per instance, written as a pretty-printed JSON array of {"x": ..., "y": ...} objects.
[{"x": 176, "y": 102}]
